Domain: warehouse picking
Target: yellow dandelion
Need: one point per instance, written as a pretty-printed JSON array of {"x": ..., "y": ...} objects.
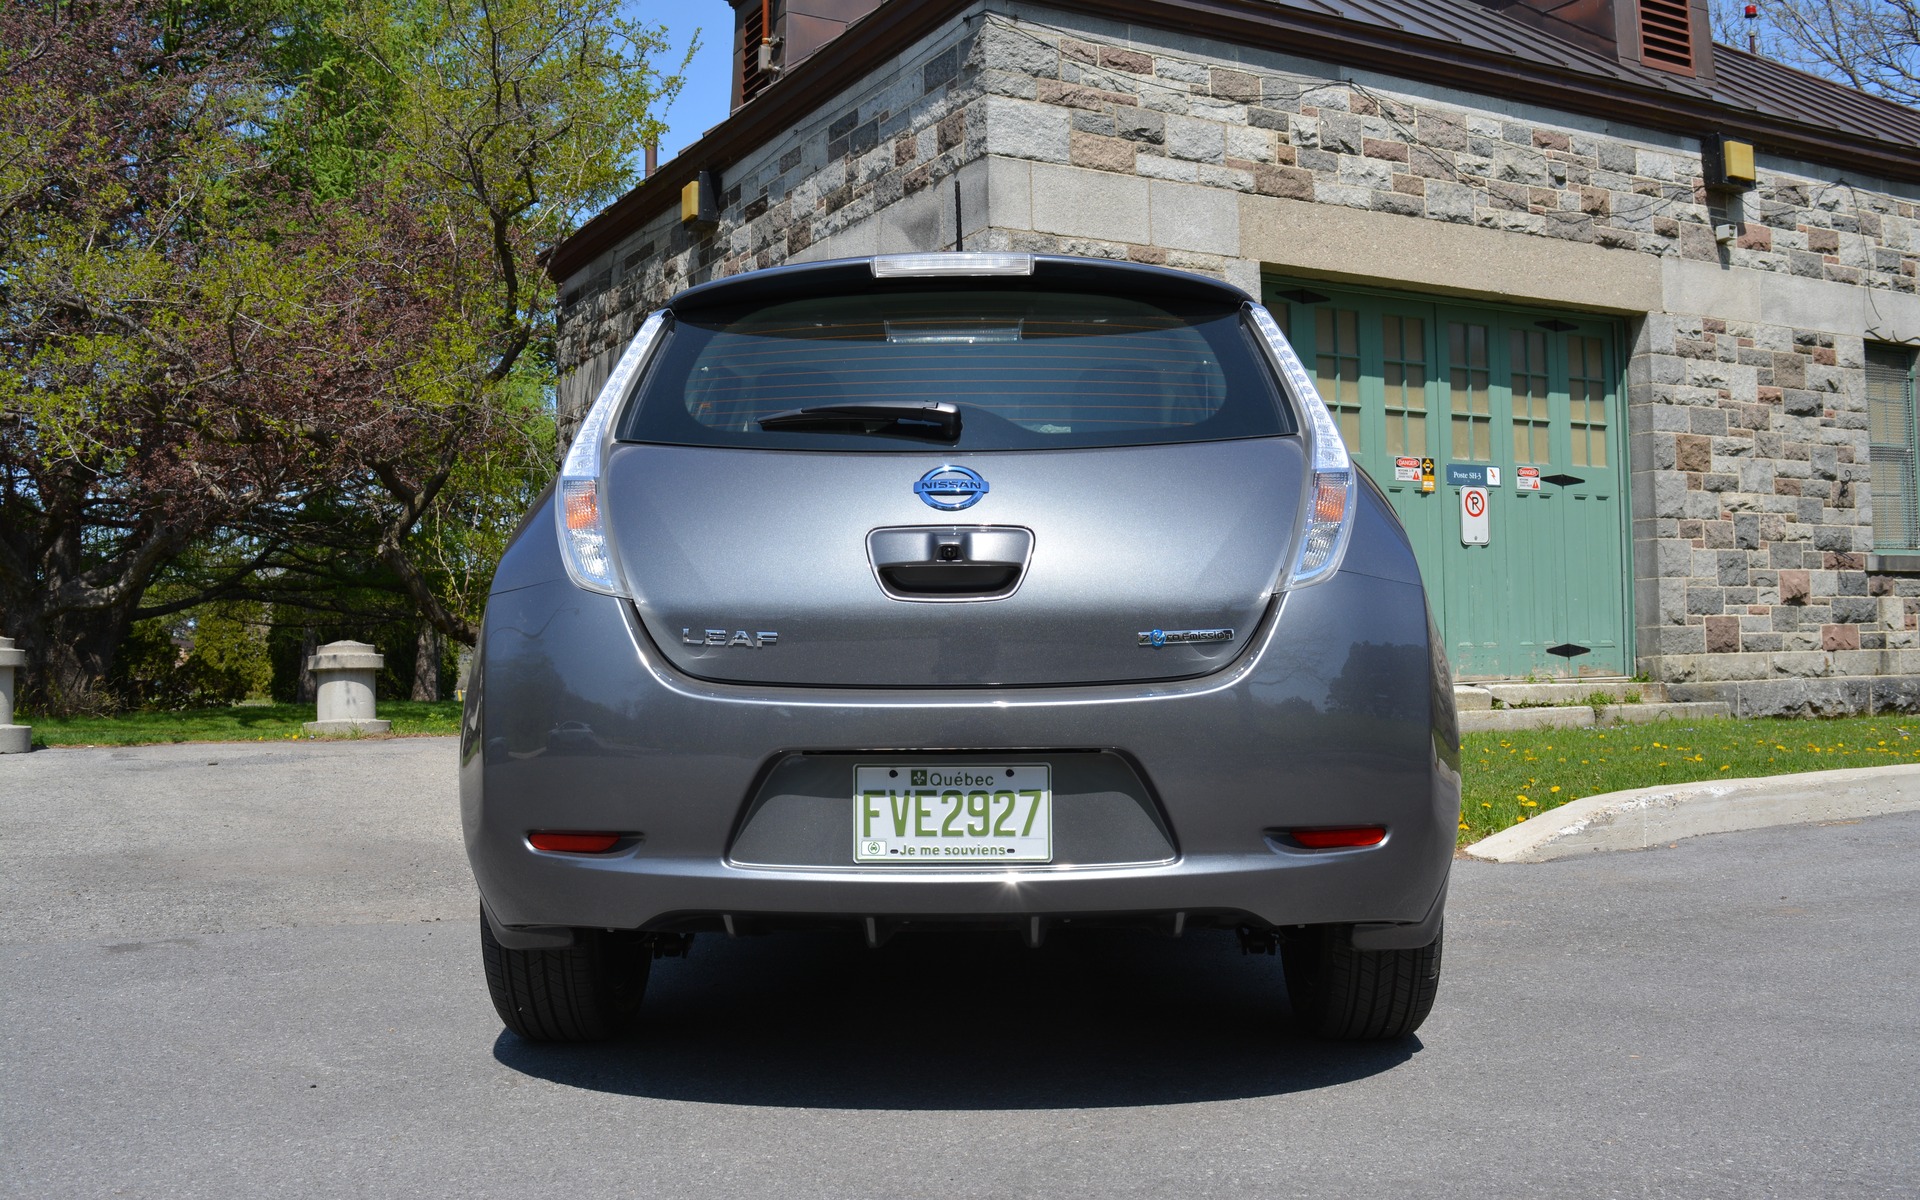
[
  {"x": 1521, "y": 817},
  {"x": 1726, "y": 766},
  {"x": 1526, "y": 803},
  {"x": 1485, "y": 804},
  {"x": 1554, "y": 788}
]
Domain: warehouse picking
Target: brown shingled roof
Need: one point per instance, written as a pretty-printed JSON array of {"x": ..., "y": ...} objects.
[
  {"x": 1741, "y": 80},
  {"x": 1745, "y": 80}
]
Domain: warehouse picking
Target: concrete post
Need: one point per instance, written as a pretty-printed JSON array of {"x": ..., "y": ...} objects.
[
  {"x": 14, "y": 739},
  {"x": 343, "y": 673}
]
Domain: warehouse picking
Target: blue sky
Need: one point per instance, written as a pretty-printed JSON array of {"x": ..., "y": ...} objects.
[{"x": 702, "y": 104}]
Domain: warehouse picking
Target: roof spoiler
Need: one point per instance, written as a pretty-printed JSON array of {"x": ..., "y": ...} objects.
[{"x": 1048, "y": 271}]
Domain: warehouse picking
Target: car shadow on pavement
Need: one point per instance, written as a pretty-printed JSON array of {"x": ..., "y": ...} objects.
[{"x": 1092, "y": 1019}]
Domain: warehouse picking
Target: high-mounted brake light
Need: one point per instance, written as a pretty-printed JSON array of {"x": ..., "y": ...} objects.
[
  {"x": 1331, "y": 495},
  {"x": 895, "y": 266},
  {"x": 584, "y": 545}
]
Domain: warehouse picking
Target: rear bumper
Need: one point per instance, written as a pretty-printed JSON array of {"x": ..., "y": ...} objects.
[{"x": 1339, "y": 715}]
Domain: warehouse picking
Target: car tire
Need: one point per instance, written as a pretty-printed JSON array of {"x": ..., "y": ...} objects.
[
  {"x": 585, "y": 992},
  {"x": 1347, "y": 994}
]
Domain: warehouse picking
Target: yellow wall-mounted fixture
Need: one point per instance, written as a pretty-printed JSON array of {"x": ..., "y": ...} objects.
[
  {"x": 699, "y": 203},
  {"x": 1726, "y": 164}
]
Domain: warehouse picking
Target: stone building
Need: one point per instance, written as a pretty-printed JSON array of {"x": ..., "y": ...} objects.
[{"x": 1510, "y": 234}]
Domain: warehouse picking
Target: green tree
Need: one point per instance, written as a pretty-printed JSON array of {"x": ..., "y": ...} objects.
[
  {"x": 503, "y": 123},
  {"x": 269, "y": 290}
]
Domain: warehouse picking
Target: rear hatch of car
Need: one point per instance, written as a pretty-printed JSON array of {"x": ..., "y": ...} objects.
[{"x": 1117, "y": 503}]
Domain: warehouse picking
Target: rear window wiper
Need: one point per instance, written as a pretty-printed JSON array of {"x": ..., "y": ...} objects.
[{"x": 936, "y": 422}]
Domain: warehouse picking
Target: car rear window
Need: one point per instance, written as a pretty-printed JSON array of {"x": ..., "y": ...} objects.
[{"x": 1028, "y": 369}]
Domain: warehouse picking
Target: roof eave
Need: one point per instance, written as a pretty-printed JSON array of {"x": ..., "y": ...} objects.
[{"x": 1259, "y": 23}]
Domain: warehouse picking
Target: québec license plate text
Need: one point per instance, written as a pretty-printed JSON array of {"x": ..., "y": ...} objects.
[{"x": 919, "y": 813}]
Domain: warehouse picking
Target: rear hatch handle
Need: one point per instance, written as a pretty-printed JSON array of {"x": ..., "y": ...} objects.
[{"x": 950, "y": 562}]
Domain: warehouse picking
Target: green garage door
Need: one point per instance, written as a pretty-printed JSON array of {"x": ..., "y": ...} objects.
[{"x": 1533, "y": 395}]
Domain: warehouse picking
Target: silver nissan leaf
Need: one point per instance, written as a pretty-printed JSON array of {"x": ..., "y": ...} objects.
[{"x": 959, "y": 591}]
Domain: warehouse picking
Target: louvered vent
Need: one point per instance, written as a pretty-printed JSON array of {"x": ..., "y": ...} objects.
[
  {"x": 1666, "y": 34},
  {"x": 753, "y": 80}
]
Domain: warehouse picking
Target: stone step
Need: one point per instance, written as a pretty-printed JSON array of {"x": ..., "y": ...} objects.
[
  {"x": 1468, "y": 698},
  {"x": 1575, "y": 691},
  {"x": 1581, "y": 716}
]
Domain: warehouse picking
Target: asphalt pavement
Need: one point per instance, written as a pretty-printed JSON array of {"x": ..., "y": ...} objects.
[{"x": 253, "y": 970}]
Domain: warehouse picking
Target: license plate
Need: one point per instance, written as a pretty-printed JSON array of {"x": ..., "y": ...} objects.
[{"x": 909, "y": 813}]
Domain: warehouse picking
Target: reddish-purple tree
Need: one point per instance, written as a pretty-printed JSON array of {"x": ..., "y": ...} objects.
[{"x": 189, "y": 346}]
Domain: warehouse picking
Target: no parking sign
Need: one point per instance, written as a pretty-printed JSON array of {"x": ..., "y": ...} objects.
[{"x": 1473, "y": 516}]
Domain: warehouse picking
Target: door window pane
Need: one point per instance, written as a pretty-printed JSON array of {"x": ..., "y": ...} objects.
[
  {"x": 1891, "y": 446},
  {"x": 1469, "y": 388},
  {"x": 1337, "y": 343},
  {"x": 1404, "y": 372},
  {"x": 1527, "y": 367},
  {"x": 1587, "y": 400}
]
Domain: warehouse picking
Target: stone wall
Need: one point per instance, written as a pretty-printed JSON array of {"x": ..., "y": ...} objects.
[
  {"x": 1023, "y": 128},
  {"x": 1755, "y": 527},
  {"x": 883, "y": 156},
  {"x": 1239, "y": 121}
]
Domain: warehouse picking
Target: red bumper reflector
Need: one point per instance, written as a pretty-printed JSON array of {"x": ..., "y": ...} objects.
[
  {"x": 574, "y": 843},
  {"x": 1328, "y": 839}
]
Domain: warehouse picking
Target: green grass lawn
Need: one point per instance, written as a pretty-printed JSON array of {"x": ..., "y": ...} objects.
[
  {"x": 1509, "y": 777},
  {"x": 241, "y": 723}
]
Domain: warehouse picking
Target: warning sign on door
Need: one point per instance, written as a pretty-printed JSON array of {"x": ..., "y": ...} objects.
[
  {"x": 1526, "y": 479},
  {"x": 1473, "y": 516},
  {"x": 1406, "y": 470}
]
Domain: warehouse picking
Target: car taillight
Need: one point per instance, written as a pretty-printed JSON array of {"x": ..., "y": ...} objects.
[
  {"x": 1330, "y": 501},
  {"x": 584, "y": 545}
]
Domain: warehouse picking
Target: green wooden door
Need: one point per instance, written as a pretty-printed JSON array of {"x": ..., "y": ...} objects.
[{"x": 1479, "y": 387}]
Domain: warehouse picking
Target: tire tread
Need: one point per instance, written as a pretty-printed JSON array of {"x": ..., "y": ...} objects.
[
  {"x": 585, "y": 992},
  {"x": 1347, "y": 994}
]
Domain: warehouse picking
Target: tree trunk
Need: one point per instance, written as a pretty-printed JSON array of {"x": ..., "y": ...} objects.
[
  {"x": 427, "y": 648},
  {"x": 70, "y": 658},
  {"x": 306, "y": 691}
]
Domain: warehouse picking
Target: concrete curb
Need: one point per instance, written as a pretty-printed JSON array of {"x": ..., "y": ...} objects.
[
  {"x": 1500, "y": 720},
  {"x": 1655, "y": 816}
]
